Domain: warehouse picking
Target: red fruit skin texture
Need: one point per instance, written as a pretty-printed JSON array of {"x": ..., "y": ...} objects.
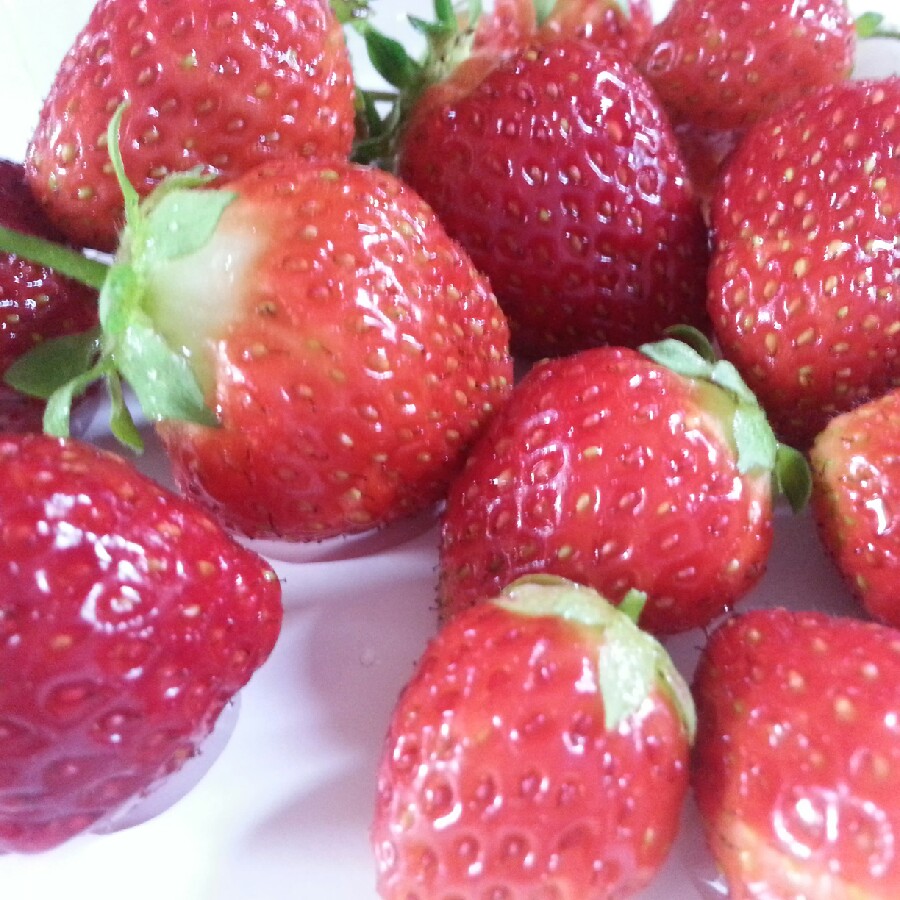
[
  {"x": 724, "y": 64},
  {"x": 358, "y": 372},
  {"x": 559, "y": 174},
  {"x": 796, "y": 767},
  {"x": 601, "y": 22},
  {"x": 856, "y": 501},
  {"x": 498, "y": 776},
  {"x": 128, "y": 619},
  {"x": 223, "y": 86},
  {"x": 602, "y": 468},
  {"x": 802, "y": 284},
  {"x": 35, "y": 302}
]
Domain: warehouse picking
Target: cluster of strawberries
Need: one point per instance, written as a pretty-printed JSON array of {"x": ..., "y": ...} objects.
[{"x": 315, "y": 294}]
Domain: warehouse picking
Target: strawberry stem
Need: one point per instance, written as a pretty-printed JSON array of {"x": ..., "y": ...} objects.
[{"x": 54, "y": 256}]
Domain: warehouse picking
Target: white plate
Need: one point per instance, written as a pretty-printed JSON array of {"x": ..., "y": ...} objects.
[{"x": 284, "y": 812}]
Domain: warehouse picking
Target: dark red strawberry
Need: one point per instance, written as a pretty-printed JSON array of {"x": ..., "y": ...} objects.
[
  {"x": 317, "y": 353},
  {"x": 856, "y": 498},
  {"x": 35, "y": 302},
  {"x": 539, "y": 750},
  {"x": 560, "y": 175},
  {"x": 803, "y": 277},
  {"x": 224, "y": 86},
  {"x": 725, "y": 64},
  {"x": 128, "y": 620},
  {"x": 615, "y": 471},
  {"x": 796, "y": 767}
]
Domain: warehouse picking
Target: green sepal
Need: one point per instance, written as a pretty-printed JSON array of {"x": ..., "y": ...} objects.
[
  {"x": 53, "y": 362},
  {"x": 390, "y": 60},
  {"x": 871, "y": 25},
  {"x": 58, "y": 257},
  {"x": 444, "y": 12},
  {"x": 756, "y": 444},
  {"x": 542, "y": 10},
  {"x": 58, "y": 410},
  {"x": 794, "y": 477},
  {"x": 631, "y": 663},
  {"x": 349, "y": 11},
  {"x": 679, "y": 357},
  {"x": 181, "y": 222},
  {"x": 121, "y": 422},
  {"x": 756, "y": 447},
  {"x": 161, "y": 378}
]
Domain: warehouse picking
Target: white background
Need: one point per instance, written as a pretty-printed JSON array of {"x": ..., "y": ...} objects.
[{"x": 284, "y": 812}]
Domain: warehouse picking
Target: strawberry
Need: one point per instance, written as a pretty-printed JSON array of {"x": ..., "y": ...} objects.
[
  {"x": 802, "y": 280},
  {"x": 128, "y": 620},
  {"x": 616, "y": 471},
  {"x": 559, "y": 173},
  {"x": 624, "y": 25},
  {"x": 35, "y": 302},
  {"x": 223, "y": 86},
  {"x": 856, "y": 480},
  {"x": 540, "y": 749},
  {"x": 796, "y": 768},
  {"x": 724, "y": 64},
  {"x": 350, "y": 355}
]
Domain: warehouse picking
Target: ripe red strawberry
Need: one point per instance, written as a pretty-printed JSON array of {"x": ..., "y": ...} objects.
[
  {"x": 224, "y": 86},
  {"x": 128, "y": 620},
  {"x": 317, "y": 353},
  {"x": 803, "y": 275},
  {"x": 35, "y": 302},
  {"x": 560, "y": 175},
  {"x": 618, "y": 472},
  {"x": 796, "y": 767},
  {"x": 540, "y": 749},
  {"x": 856, "y": 495},
  {"x": 725, "y": 64},
  {"x": 624, "y": 25}
]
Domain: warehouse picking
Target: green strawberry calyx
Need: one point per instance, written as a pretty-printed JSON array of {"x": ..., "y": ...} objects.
[
  {"x": 172, "y": 222},
  {"x": 631, "y": 664},
  {"x": 448, "y": 40},
  {"x": 687, "y": 352}
]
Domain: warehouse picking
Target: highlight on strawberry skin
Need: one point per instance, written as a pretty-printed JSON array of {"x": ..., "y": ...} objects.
[
  {"x": 541, "y": 744},
  {"x": 128, "y": 620}
]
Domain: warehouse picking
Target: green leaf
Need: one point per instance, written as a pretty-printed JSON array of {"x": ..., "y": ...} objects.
[
  {"x": 679, "y": 357},
  {"x": 793, "y": 476},
  {"x": 162, "y": 379},
  {"x": 390, "y": 60},
  {"x": 182, "y": 222},
  {"x": 754, "y": 439},
  {"x": 53, "y": 362}
]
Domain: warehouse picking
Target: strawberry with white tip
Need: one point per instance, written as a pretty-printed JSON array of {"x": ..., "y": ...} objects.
[{"x": 316, "y": 352}]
